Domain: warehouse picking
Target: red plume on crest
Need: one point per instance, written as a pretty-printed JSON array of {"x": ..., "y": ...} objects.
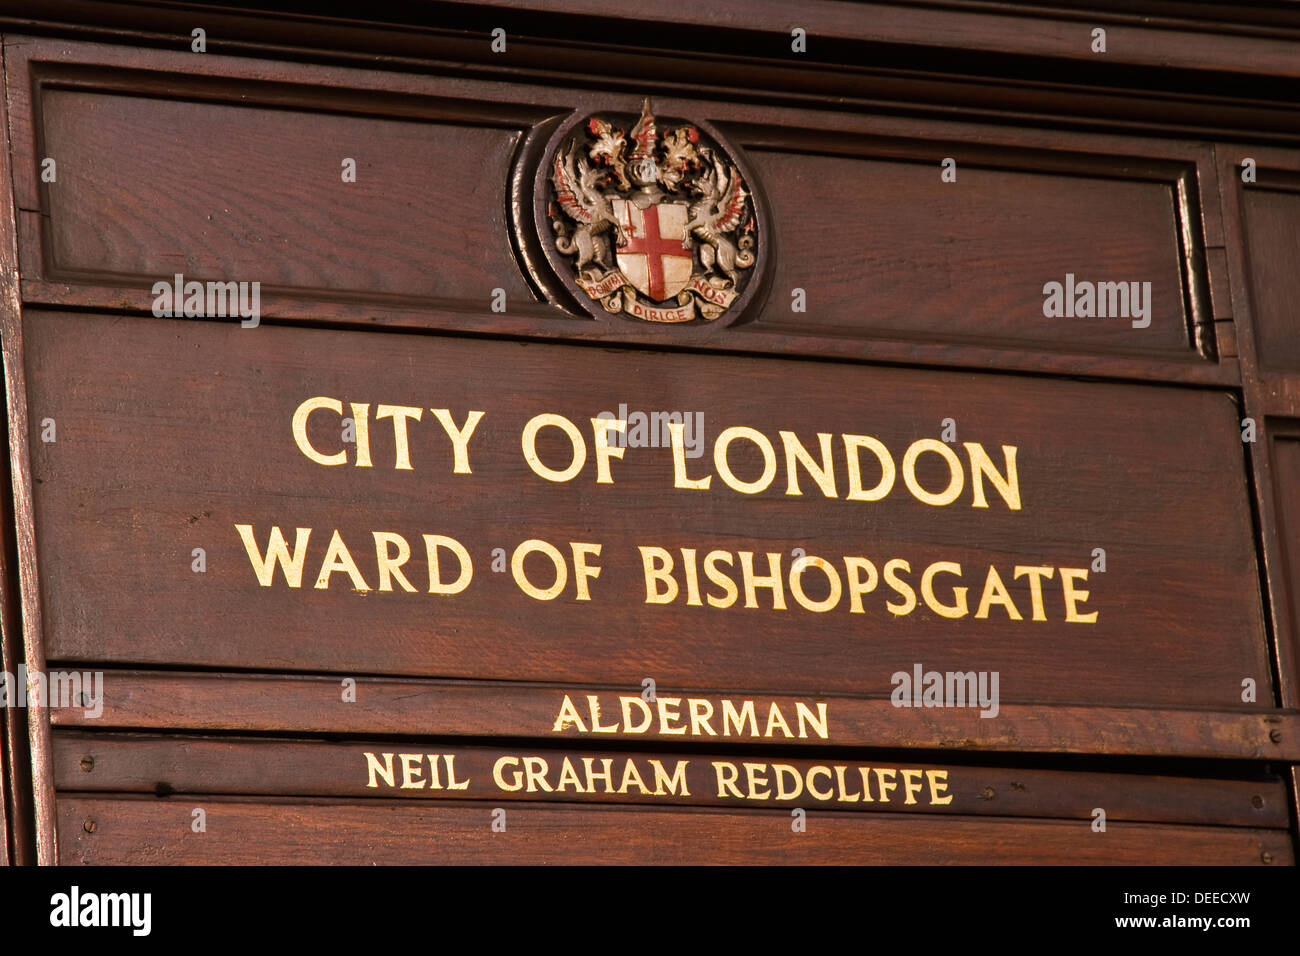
[{"x": 644, "y": 133}]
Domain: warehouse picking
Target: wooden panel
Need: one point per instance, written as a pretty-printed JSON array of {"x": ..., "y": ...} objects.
[
  {"x": 253, "y": 703},
  {"x": 1286, "y": 485},
  {"x": 1272, "y": 235},
  {"x": 963, "y": 268},
  {"x": 967, "y": 259},
  {"x": 170, "y": 433},
  {"x": 162, "y": 456},
  {"x": 441, "y": 769},
  {"x": 270, "y": 204},
  {"x": 4, "y": 796},
  {"x": 107, "y": 831}
]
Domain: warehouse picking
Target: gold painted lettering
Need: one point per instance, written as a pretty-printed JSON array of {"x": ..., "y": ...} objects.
[
  {"x": 529, "y": 443},
  {"x": 568, "y": 715},
  {"x": 727, "y": 772},
  {"x": 911, "y": 786},
  {"x": 701, "y": 711},
  {"x": 399, "y": 414},
  {"x": 535, "y": 768},
  {"x": 384, "y": 770},
  {"x": 883, "y": 788},
  {"x": 729, "y": 590},
  {"x": 1073, "y": 596},
  {"x": 657, "y": 564},
  {"x": 337, "y": 558},
  {"x": 796, "y": 583},
  {"x": 981, "y": 467},
  {"x": 432, "y": 542},
  {"x": 666, "y": 785},
  {"x": 411, "y": 779},
  {"x": 597, "y": 727},
  {"x": 300, "y": 416},
  {"x": 901, "y": 587},
  {"x": 627, "y": 704},
  {"x": 1035, "y": 575},
  {"x": 521, "y": 579},
  {"x": 676, "y": 431},
  {"x": 602, "y": 428},
  {"x": 938, "y": 780},
  {"x": 665, "y": 714},
  {"x": 795, "y": 453},
  {"x": 820, "y": 722},
  {"x": 771, "y": 580},
  {"x": 995, "y": 592},
  {"x": 858, "y": 587},
  {"x": 459, "y": 437},
  {"x": 723, "y": 467},
  {"x": 390, "y": 565},
  {"x": 730, "y": 718},
  {"x": 957, "y": 610},
  {"x": 956, "y": 476},
  {"x": 755, "y": 781},
  {"x": 888, "y": 474},
  {"x": 812, "y": 774},
  {"x": 277, "y": 553},
  {"x": 776, "y": 719},
  {"x": 499, "y": 766}
]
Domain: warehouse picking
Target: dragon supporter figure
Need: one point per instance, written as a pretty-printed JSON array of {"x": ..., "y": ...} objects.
[{"x": 649, "y": 220}]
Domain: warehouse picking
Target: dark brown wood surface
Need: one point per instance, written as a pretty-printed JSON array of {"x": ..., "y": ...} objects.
[
  {"x": 296, "y": 225},
  {"x": 1272, "y": 226},
  {"x": 196, "y": 765},
  {"x": 186, "y": 433},
  {"x": 960, "y": 284},
  {"x": 207, "y": 701},
  {"x": 147, "y": 830},
  {"x": 1067, "y": 162},
  {"x": 27, "y": 736}
]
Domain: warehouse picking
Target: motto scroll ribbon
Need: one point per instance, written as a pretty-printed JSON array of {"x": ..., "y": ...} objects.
[{"x": 615, "y": 293}]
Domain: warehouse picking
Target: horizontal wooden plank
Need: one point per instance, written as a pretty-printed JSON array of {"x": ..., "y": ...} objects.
[
  {"x": 296, "y": 223},
  {"x": 541, "y": 321},
  {"x": 212, "y": 221},
  {"x": 1057, "y": 37},
  {"x": 247, "y": 703},
  {"x": 163, "y": 456},
  {"x": 108, "y": 830},
  {"x": 435, "y": 768},
  {"x": 966, "y": 260},
  {"x": 1271, "y": 232},
  {"x": 982, "y": 325}
]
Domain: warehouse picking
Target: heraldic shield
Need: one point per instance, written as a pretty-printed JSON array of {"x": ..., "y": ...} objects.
[
  {"x": 654, "y": 255},
  {"x": 655, "y": 225}
]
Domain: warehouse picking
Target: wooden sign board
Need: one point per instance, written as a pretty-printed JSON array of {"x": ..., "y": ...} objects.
[
  {"x": 777, "y": 548},
  {"x": 816, "y": 536}
]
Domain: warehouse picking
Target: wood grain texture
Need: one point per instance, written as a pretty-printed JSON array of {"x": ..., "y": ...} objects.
[
  {"x": 186, "y": 433},
  {"x": 1272, "y": 234},
  {"x": 923, "y": 279},
  {"x": 294, "y": 832},
  {"x": 1061, "y": 39},
  {"x": 867, "y": 285},
  {"x": 177, "y": 765},
  {"x": 35, "y": 827},
  {"x": 1284, "y": 454},
  {"x": 272, "y": 205},
  {"x": 1269, "y": 397},
  {"x": 991, "y": 240},
  {"x": 253, "y": 703}
]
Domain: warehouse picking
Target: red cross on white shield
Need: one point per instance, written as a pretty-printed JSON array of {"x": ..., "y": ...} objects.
[{"x": 653, "y": 258}]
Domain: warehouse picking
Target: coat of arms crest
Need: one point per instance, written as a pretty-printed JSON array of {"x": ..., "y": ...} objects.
[{"x": 661, "y": 228}]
